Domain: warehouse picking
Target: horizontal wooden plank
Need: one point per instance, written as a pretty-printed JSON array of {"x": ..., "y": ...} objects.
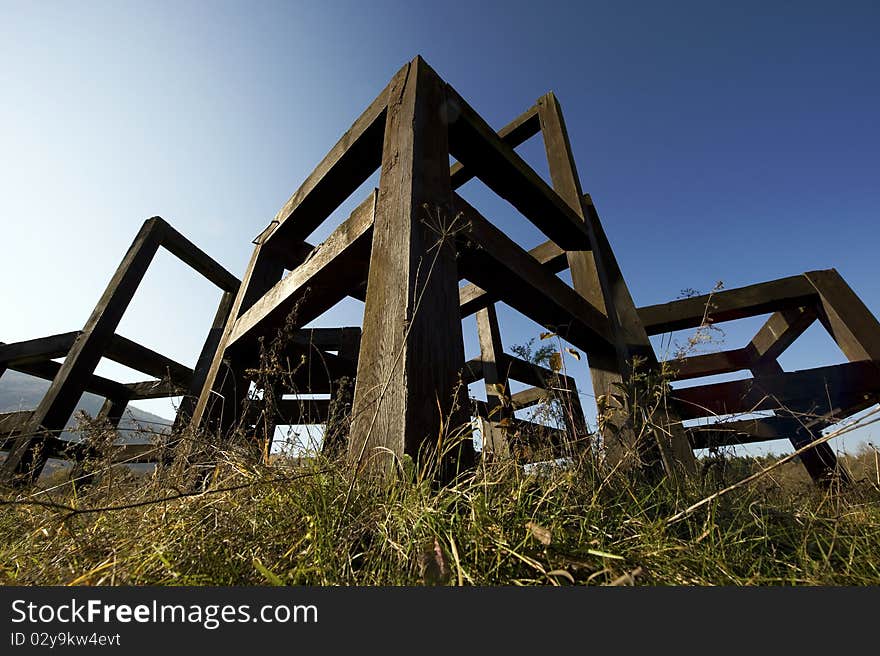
[
  {"x": 522, "y": 128},
  {"x": 494, "y": 262},
  {"x": 837, "y": 388},
  {"x": 355, "y": 157},
  {"x": 94, "y": 384},
  {"x": 728, "y": 305},
  {"x": 709, "y": 364},
  {"x": 38, "y": 350},
  {"x": 333, "y": 269},
  {"x": 521, "y": 371},
  {"x": 154, "y": 389},
  {"x": 744, "y": 431},
  {"x": 530, "y": 397},
  {"x": 118, "y": 454},
  {"x": 131, "y": 354},
  {"x": 327, "y": 339},
  {"x": 303, "y": 411},
  {"x": 194, "y": 257},
  {"x": 473, "y": 298},
  {"x": 473, "y": 143}
]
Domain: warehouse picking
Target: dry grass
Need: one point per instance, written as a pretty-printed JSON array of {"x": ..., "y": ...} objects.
[{"x": 309, "y": 522}]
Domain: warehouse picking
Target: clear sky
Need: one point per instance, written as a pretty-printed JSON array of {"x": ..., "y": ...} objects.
[{"x": 720, "y": 141}]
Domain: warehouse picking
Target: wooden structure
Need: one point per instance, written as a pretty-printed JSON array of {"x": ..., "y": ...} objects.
[
  {"x": 422, "y": 258},
  {"x": 32, "y": 436}
]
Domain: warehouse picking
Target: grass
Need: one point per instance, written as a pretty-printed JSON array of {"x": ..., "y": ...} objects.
[{"x": 308, "y": 522}]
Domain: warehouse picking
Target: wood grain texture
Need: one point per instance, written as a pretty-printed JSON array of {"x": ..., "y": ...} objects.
[{"x": 412, "y": 350}]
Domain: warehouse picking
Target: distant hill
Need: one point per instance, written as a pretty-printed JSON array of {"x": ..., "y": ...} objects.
[{"x": 22, "y": 392}]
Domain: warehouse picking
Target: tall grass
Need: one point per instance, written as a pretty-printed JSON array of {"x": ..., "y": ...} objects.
[{"x": 309, "y": 521}]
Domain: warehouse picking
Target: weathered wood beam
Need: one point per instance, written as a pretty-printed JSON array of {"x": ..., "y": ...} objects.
[
  {"x": 776, "y": 335},
  {"x": 94, "y": 384},
  {"x": 411, "y": 323},
  {"x": 153, "y": 389},
  {"x": 37, "y": 350},
  {"x": 836, "y": 389},
  {"x": 473, "y": 298},
  {"x": 844, "y": 315},
  {"x": 355, "y": 157},
  {"x": 25, "y": 461},
  {"x": 328, "y": 339},
  {"x": 225, "y": 384},
  {"x": 530, "y": 397},
  {"x": 744, "y": 431},
  {"x": 499, "y": 409},
  {"x": 203, "y": 364},
  {"x": 597, "y": 277},
  {"x": 494, "y": 262},
  {"x": 482, "y": 151},
  {"x": 133, "y": 355},
  {"x": 728, "y": 305},
  {"x": 14, "y": 422},
  {"x": 709, "y": 364},
  {"x": 317, "y": 284},
  {"x": 779, "y": 332},
  {"x": 521, "y": 129},
  {"x": 112, "y": 410},
  {"x": 190, "y": 254},
  {"x": 303, "y": 411}
]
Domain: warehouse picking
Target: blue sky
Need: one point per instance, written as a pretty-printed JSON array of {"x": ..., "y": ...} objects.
[{"x": 720, "y": 141}]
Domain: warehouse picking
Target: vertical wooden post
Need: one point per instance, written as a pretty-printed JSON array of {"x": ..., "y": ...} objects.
[
  {"x": 26, "y": 460},
  {"x": 597, "y": 277},
  {"x": 495, "y": 427},
  {"x": 408, "y": 390}
]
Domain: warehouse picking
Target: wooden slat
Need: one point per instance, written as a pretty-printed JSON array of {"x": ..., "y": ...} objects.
[
  {"x": 779, "y": 332},
  {"x": 225, "y": 384},
  {"x": 412, "y": 348},
  {"x": 112, "y": 410},
  {"x": 837, "y": 389},
  {"x": 499, "y": 409},
  {"x": 846, "y": 317},
  {"x": 191, "y": 255},
  {"x": 327, "y": 339},
  {"x": 68, "y": 385},
  {"x": 529, "y": 397},
  {"x": 776, "y": 335},
  {"x": 94, "y": 384},
  {"x": 317, "y": 284},
  {"x": 203, "y": 365},
  {"x": 349, "y": 163},
  {"x": 482, "y": 151},
  {"x": 153, "y": 389},
  {"x": 709, "y": 364},
  {"x": 13, "y": 422},
  {"x": 728, "y": 305},
  {"x": 597, "y": 277},
  {"x": 303, "y": 411},
  {"x": 744, "y": 431},
  {"x": 133, "y": 355},
  {"x": 37, "y": 350},
  {"x": 473, "y": 298},
  {"x": 494, "y": 262},
  {"x": 519, "y": 130}
]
